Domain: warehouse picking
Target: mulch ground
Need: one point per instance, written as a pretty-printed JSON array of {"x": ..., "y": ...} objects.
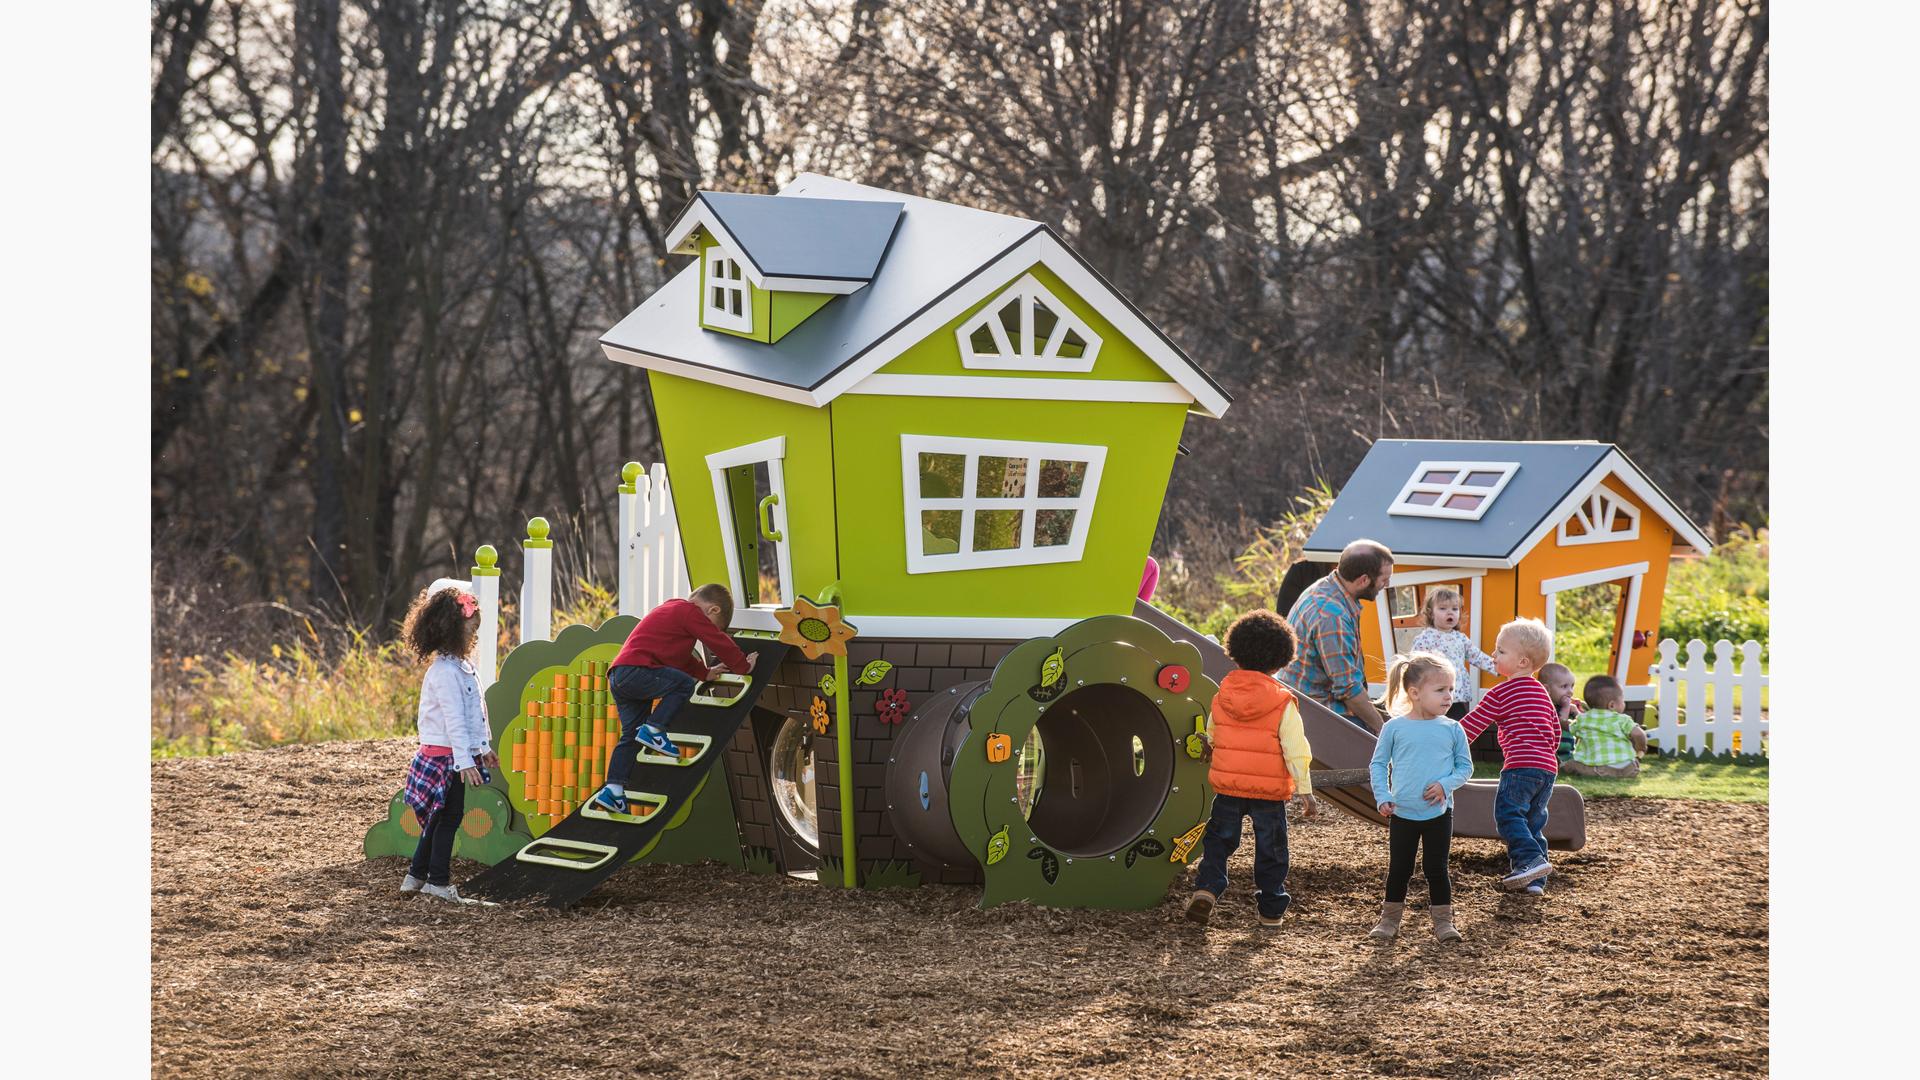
[{"x": 278, "y": 950}]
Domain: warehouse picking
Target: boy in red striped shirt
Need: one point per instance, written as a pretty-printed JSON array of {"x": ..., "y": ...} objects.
[{"x": 1529, "y": 733}]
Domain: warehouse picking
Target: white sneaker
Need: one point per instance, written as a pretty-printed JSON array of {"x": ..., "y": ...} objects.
[
  {"x": 1519, "y": 879},
  {"x": 410, "y": 885},
  {"x": 451, "y": 894}
]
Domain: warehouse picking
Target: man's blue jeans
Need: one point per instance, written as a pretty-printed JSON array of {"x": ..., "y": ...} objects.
[
  {"x": 634, "y": 690},
  {"x": 1520, "y": 813},
  {"x": 1269, "y": 850}
]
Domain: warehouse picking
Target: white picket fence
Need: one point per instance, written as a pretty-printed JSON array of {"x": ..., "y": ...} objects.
[
  {"x": 1683, "y": 689},
  {"x": 652, "y": 566}
]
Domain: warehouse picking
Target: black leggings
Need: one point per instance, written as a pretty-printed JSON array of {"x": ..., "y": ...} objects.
[
  {"x": 433, "y": 856},
  {"x": 1435, "y": 836}
]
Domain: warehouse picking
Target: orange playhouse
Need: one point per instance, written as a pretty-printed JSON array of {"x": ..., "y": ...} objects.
[{"x": 1510, "y": 526}]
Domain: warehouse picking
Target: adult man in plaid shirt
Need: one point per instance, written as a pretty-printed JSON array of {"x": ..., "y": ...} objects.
[{"x": 1328, "y": 666}]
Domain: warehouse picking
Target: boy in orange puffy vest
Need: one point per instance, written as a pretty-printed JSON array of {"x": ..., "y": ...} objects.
[{"x": 1260, "y": 761}]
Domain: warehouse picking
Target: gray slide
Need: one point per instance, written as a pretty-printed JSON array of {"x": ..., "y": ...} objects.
[{"x": 1338, "y": 744}]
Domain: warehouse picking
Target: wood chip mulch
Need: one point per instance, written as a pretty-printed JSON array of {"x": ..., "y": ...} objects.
[{"x": 279, "y": 951}]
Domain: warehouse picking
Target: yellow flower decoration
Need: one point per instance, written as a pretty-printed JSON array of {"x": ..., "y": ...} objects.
[
  {"x": 816, "y": 630},
  {"x": 818, "y": 710}
]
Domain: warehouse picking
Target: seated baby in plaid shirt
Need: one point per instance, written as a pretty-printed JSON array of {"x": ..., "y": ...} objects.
[{"x": 1606, "y": 741}]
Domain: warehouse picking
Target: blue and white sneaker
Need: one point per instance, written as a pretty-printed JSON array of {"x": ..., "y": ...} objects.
[
  {"x": 1520, "y": 879},
  {"x": 656, "y": 740},
  {"x": 606, "y": 800},
  {"x": 1538, "y": 888}
]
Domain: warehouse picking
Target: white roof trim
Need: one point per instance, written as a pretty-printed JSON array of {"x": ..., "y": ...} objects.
[
  {"x": 728, "y": 379},
  {"x": 1418, "y": 558},
  {"x": 940, "y": 626},
  {"x": 1428, "y": 577},
  {"x": 1039, "y": 247},
  {"x": 1616, "y": 465},
  {"x": 987, "y": 386}
]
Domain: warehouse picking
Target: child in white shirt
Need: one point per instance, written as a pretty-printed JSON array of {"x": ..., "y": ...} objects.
[{"x": 1443, "y": 636}]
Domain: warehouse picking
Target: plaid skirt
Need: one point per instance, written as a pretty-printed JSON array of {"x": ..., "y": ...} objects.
[{"x": 426, "y": 787}]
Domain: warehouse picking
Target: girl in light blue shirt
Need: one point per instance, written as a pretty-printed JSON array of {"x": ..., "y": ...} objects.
[{"x": 1419, "y": 760}]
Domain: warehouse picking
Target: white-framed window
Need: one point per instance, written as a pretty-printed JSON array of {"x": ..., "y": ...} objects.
[
  {"x": 749, "y": 495},
  {"x": 1027, "y": 328},
  {"x": 1603, "y": 519},
  {"x": 728, "y": 303},
  {"x": 974, "y": 503},
  {"x": 1453, "y": 489}
]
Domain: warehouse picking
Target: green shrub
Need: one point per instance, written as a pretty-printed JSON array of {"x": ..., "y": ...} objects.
[{"x": 1723, "y": 595}]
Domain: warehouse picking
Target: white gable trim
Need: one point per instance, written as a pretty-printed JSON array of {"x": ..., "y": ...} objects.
[
  {"x": 1030, "y": 352},
  {"x": 1039, "y": 247},
  {"x": 1616, "y": 465},
  {"x": 701, "y": 216},
  {"x": 987, "y": 386}
]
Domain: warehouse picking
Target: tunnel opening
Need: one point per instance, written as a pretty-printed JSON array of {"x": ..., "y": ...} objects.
[{"x": 1096, "y": 770}]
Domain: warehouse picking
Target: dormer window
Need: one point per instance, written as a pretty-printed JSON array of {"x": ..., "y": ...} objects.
[
  {"x": 1462, "y": 490},
  {"x": 726, "y": 303},
  {"x": 1027, "y": 328}
]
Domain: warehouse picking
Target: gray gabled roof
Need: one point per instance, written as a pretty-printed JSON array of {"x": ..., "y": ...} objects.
[
  {"x": 1550, "y": 474},
  {"x": 801, "y": 239},
  {"x": 937, "y": 250}
]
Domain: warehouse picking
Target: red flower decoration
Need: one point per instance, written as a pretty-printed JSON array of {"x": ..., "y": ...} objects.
[
  {"x": 1174, "y": 679},
  {"x": 893, "y": 706}
]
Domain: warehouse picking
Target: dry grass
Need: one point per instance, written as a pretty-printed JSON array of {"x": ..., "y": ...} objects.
[{"x": 278, "y": 950}]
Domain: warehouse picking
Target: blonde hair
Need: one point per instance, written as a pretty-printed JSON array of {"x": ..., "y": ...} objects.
[
  {"x": 1530, "y": 638},
  {"x": 1434, "y": 599},
  {"x": 1410, "y": 671}
]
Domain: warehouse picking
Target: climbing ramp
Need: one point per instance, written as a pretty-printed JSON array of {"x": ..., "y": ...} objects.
[{"x": 583, "y": 847}]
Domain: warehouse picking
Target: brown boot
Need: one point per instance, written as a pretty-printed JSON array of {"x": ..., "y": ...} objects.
[
  {"x": 1443, "y": 923},
  {"x": 1389, "y": 924}
]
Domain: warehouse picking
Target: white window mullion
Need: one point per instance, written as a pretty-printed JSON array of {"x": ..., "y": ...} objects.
[{"x": 969, "y": 478}]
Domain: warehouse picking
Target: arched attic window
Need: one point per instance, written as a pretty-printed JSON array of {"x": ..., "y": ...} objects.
[
  {"x": 1027, "y": 328},
  {"x": 1602, "y": 519}
]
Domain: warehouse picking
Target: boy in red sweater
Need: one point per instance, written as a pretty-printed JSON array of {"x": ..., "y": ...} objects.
[
  {"x": 1529, "y": 732},
  {"x": 658, "y": 663}
]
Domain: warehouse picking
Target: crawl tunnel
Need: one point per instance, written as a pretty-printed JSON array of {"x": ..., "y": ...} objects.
[{"x": 1068, "y": 777}]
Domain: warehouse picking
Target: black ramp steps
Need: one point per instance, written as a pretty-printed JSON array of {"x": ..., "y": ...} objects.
[{"x": 578, "y": 853}]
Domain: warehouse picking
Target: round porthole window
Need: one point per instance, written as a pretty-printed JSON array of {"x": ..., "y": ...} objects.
[{"x": 791, "y": 765}]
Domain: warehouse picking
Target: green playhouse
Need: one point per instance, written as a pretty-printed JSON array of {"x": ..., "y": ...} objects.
[{"x": 926, "y": 446}]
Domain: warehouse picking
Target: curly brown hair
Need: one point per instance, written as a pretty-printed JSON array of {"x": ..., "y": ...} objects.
[
  {"x": 436, "y": 626},
  {"x": 1260, "y": 641}
]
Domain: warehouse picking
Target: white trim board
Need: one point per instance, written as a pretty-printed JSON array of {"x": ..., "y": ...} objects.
[
  {"x": 1549, "y": 586},
  {"x": 1428, "y": 577},
  {"x": 647, "y": 361},
  {"x": 1445, "y": 561},
  {"x": 936, "y": 626},
  {"x": 988, "y": 386}
]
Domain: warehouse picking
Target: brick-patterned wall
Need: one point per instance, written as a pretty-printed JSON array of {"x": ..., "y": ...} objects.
[
  {"x": 922, "y": 668},
  {"x": 752, "y": 794}
]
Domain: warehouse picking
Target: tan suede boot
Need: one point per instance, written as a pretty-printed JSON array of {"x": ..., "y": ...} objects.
[
  {"x": 1443, "y": 929},
  {"x": 1389, "y": 922}
]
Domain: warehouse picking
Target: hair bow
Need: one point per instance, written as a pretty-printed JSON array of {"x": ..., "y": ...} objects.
[{"x": 468, "y": 603}]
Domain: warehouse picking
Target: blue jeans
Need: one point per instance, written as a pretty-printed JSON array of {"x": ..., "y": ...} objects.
[
  {"x": 1520, "y": 813},
  {"x": 1269, "y": 850},
  {"x": 634, "y": 690}
]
